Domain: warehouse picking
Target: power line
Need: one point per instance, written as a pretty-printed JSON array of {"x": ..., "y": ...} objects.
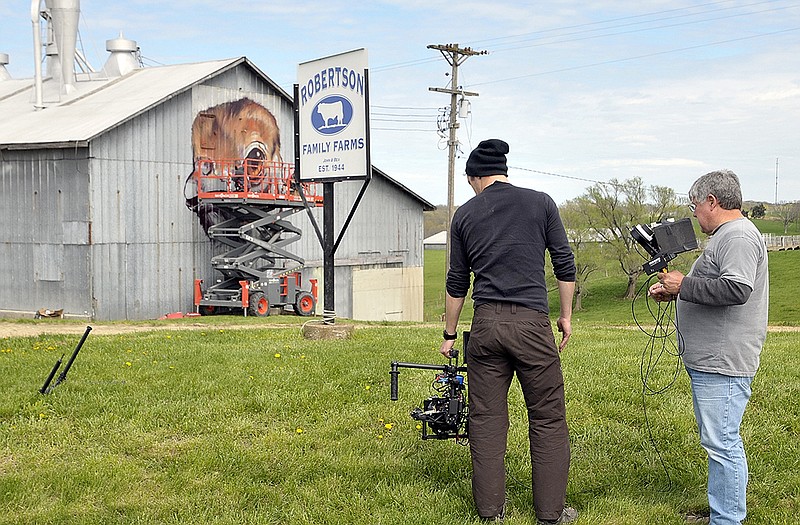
[
  {"x": 638, "y": 57},
  {"x": 570, "y": 177},
  {"x": 421, "y": 61},
  {"x": 399, "y": 121},
  {"x": 405, "y": 129},
  {"x": 600, "y": 22},
  {"x": 639, "y": 23},
  {"x": 404, "y": 107},
  {"x": 613, "y": 184},
  {"x": 634, "y": 30}
]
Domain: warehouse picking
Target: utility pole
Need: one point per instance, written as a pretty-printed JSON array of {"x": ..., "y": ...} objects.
[
  {"x": 776, "y": 182},
  {"x": 455, "y": 56}
]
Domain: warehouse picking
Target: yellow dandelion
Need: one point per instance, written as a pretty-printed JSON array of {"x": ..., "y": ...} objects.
[
  {"x": 277, "y": 355},
  {"x": 380, "y": 436},
  {"x": 367, "y": 387},
  {"x": 128, "y": 363},
  {"x": 419, "y": 426},
  {"x": 42, "y": 415},
  {"x": 299, "y": 430},
  {"x": 221, "y": 330},
  {"x": 388, "y": 426}
]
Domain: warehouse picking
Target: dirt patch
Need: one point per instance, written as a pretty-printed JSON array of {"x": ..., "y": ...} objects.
[
  {"x": 32, "y": 330},
  {"x": 12, "y": 329}
]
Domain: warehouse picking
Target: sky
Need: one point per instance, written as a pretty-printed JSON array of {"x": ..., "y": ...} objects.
[{"x": 584, "y": 91}]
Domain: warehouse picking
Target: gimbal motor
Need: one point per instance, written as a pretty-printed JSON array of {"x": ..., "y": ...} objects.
[{"x": 446, "y": 414}]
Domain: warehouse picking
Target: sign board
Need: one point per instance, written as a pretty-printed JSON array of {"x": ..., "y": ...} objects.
[{"x": 333, "y": 117}]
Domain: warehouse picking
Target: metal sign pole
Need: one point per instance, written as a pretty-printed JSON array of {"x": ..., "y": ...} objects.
[{"x": 329, "y": 252}]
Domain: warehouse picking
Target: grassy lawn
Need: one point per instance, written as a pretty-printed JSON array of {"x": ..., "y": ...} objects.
[
  {"x": 775, "y": 226},
  {"x": 257, "y": 425},
  {"x": 605, "y": 303}
]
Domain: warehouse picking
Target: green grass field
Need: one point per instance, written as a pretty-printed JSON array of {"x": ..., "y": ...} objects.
[
  {"x": 605, "y": 303},
  {"x": 257, "y": 425},
  {"x": 775, "y": 226}
]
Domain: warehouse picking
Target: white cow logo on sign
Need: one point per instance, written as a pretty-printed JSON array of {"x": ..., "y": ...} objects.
[{"x": 332, "y": 115}]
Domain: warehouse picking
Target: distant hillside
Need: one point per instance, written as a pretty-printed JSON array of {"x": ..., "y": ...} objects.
[{"x": 435, "y": 221}]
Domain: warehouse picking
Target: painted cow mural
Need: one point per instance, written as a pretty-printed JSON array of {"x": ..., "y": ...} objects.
[{"x": 242, "y": 136}]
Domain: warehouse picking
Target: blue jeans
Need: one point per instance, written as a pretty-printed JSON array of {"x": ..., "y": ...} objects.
[{"x": 719, "y": 402}]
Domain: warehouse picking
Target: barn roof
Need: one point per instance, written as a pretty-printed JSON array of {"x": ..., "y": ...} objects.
[
  {"x": 101, "y": 104},
  {"x": 98, "y": 104}
]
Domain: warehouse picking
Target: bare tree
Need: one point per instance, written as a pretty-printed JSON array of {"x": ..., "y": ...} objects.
[{"x": 787, "y": 212}]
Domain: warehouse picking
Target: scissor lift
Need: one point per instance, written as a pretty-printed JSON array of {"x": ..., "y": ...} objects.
[{"x": 251, "y": 200}]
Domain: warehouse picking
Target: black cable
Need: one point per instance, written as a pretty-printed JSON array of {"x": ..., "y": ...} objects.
[{"x": 665, "y": 327}]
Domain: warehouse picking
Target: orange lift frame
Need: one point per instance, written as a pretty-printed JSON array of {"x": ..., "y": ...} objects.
[{"x": 253, "y": 199}]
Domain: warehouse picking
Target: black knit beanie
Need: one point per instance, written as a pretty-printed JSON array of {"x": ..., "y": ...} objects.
[{"x": 489, "y": 158}]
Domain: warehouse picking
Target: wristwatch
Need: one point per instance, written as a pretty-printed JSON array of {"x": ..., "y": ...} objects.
[{"x": 449, "y": 337}]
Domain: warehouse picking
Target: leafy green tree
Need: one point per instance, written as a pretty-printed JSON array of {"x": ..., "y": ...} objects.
[
  {"x": 758, "y": 211},
  {"x": 587, "y": 250},
  {"x": 610, "y": 210}
]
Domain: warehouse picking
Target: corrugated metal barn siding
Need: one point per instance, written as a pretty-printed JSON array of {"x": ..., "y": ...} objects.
[
  {"x": 386, "y": 230},
  {"x": 387, "y": 226},
  {"x": 46, "y": 230},
  {"x": 143, "y": 261}
]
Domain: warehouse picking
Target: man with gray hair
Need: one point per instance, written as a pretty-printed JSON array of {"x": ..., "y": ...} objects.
[{"x": 722, "y": 306}]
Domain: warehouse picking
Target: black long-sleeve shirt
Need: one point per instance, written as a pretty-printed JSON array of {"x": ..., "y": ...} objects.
[{"x": 500, "y": 235}]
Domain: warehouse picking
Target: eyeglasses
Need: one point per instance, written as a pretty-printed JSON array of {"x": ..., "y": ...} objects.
[{"x": 693, "y": 205}]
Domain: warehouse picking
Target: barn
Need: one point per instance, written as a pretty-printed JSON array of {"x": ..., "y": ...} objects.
[{"x": 95, "y": 195}]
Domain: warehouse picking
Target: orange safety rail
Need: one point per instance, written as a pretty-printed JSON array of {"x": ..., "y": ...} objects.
[
  {"x": 250, "y": 179},
  {"x": 198, "y": 291},
  {"x": 245, "y": 294},
  {"x": 313, "y": 288}
]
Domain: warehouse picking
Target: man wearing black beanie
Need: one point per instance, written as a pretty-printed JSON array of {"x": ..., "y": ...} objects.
[{"x": 500, "y": 236}]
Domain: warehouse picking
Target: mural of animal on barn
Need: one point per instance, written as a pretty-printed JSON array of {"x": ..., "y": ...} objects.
[{"x": 237, "y": 142}]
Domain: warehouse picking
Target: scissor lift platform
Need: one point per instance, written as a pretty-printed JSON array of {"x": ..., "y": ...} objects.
[{"x": 250, "y": 201}]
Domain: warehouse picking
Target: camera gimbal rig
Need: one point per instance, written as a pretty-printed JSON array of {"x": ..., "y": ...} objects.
[{"x": 446, "y": 414}]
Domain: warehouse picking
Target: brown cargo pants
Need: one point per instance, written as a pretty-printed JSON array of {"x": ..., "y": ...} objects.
[{"x": 506, "y": 339}]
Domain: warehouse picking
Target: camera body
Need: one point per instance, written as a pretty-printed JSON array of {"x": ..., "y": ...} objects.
[
  {"x": 664, "y": 241},
  {"x": 444, "y": 415}
]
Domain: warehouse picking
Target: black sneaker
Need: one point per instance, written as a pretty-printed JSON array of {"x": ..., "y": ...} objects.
[{"x": 568, "y": 515}]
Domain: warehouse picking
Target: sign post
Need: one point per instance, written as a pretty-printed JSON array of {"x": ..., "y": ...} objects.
[{"x": 331, "y": 103}]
